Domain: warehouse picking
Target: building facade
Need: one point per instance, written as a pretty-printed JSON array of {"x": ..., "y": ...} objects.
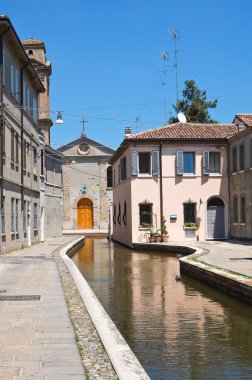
[
  {"x": 87, "y": 180},
  {"x": 240, "y": 152},
  {"x": 51, "y": 186},
  {"x": 178, "y": 172},
  {"x": 20, "y": 158}
]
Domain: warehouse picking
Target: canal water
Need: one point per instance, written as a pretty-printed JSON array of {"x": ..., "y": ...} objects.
[{"x": 178, "y": 330}]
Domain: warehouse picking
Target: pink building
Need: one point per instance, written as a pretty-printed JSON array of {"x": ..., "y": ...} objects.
[{"x": 180, "y": 172}]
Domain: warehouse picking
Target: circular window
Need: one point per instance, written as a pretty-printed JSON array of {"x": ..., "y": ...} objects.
[{"x": 83, "y": 149}]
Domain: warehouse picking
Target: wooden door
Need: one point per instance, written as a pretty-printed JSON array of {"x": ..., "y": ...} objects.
[{"x": 85, "y": 214}]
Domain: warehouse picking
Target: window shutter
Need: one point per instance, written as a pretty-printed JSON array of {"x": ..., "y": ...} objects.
[
  {"x": 155, "y": 162},
  {"x": 134, "y": 170},
  {"x": 180, "y": 163},
  {"x": 206, "y": 162}
]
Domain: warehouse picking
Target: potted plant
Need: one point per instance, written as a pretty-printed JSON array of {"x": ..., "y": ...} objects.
[
  {"x": 164, "y": 232},
  {"x": 152, "y": 237}
]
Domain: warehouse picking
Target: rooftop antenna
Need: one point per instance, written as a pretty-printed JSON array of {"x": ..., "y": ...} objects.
[
  {"x": 164, "y": 83},
  {"x": 137, "y": 120},
  {"x": 174, "y": 35},
  {"x": 83, "y": 121}
]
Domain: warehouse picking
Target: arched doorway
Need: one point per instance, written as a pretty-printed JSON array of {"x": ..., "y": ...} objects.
[
  {"x": 85, "y": 214},
  {"x": 216, "y": 218}
]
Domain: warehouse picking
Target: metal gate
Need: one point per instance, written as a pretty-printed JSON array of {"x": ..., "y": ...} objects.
[{"x": 215, "y": 219}]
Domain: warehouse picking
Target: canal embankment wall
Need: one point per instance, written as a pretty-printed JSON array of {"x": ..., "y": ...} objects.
[
  {"x": 122, "y": 357},
  {"x": 195, "y": 265}
]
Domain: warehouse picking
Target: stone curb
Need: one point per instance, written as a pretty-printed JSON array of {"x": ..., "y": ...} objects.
[
  {"x": 234, "y": 284},
  {"x": 123, "y": 359}
]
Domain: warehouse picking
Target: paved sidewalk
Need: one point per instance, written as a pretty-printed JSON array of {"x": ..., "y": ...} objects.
[
  {"x": 37, "y": 340},
  {"x": 232, "y": 255}
]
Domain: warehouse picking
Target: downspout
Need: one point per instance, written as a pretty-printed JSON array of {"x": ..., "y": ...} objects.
[
  {"x": 161, "y": 184},
  {"x": 2, "y": 134},
  {"x": 22, "y": 143},
  {"x": 229, "y": 195}
]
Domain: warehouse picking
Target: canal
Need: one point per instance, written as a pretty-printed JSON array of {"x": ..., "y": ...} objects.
[{"x": 178, "y": 330}]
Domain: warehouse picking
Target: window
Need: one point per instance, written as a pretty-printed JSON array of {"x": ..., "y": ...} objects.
[
  {"x": 144, "y": 163},
  {"x": 35, "y": 109},
  {"x": 12, "y": 145},
  {"x": 214, "y": 162},
  {"x": 241, "y": 157},
  {"x": 235, "y": 209},
  {"x": 234, "y": 159},
  {"x": 109, "y": 177},
  {"x": 14, "y": 82},
  {"x": 189, "y": 212},
  {"x": 34, "y": 160},
  {"x": 24, "y": 154},
  {"x": 35, "y": 216},
  {"x": 17, "y": 148},
  {"x": 24, "y": 216},
  {"x": 4, "y": 66},
  {"x": 3, "y": 216},
  {"x": 243, "y": 210},
  {"x": 145, "y": 214},
  {"x": 185, "y": 163},
  {"x": 114, "y": 179},
  {"x": 211, "y": 162},
  {"x": 16, "y": 215},
  {"x": 42, "y": 162},
  {"x": 123, "y": 169},
  {"x": 12, "y": 214}
]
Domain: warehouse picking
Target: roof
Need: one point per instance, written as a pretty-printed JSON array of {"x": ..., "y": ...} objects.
[
  {"x": 31, "y": 41},
  {"x": 11, "y": 35},
  {"x": 245, "y": 118},
  {"x": 188, "y": 131}
]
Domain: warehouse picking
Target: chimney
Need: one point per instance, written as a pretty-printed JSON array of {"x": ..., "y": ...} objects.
[{"x": 127, "y": 131}]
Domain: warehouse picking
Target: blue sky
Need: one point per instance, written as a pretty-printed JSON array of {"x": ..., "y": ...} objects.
[{"x": 107, "y": 64}]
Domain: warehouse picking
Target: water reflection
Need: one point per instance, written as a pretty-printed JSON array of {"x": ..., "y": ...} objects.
[{"x": 178, "y": 330}]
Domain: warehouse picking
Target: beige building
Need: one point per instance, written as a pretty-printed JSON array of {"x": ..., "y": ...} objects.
[
  {"x": 20, "y": 158},
  {"x": 51, "y": 187},
  {"x": 87, "y": 179},
  {"x": 240, "y": 152}
]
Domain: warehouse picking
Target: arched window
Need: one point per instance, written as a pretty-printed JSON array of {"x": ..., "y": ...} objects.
[
  {"x": 109, "y": 177},
  {"x": 30, "y": 52}
]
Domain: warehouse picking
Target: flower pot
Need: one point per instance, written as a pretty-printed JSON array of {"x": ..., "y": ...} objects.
[
  {"x": 151, "y": 239},
  {"x": 165, "y": 238},
  {"x": 159, "y": 239}
]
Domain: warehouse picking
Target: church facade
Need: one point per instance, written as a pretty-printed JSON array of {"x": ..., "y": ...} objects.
[{"x": 87, "y": 179}]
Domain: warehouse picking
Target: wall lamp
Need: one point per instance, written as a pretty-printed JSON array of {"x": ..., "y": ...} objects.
[{"x": 59, "y": 119}]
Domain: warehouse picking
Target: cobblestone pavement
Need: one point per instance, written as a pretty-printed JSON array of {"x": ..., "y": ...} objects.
[{"x": 37, "y": 339}]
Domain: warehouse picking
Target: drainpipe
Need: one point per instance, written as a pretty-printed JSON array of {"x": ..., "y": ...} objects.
[
  {"x": 22, "y": 143},
  {"x": 2, "y": 135},
  {"x": 229, "y": 195},
  {"x": 161, "y": 183}
]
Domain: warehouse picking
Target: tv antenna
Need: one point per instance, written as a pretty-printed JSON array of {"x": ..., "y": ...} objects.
[
  {"x": 164, "y": 83},
  {"x": 174, "y": 35}
]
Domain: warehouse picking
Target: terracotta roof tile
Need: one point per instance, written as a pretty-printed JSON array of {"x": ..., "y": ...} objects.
[
  {"x": 188, "y": 131},
  {"x": 246, "y": 118},
  {"x": 31, "y": 41}
]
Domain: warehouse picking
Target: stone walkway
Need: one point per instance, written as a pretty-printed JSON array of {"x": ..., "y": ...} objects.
[
  {"x": 37, "y": 340},
  {"x": 232, "y": 255}
]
